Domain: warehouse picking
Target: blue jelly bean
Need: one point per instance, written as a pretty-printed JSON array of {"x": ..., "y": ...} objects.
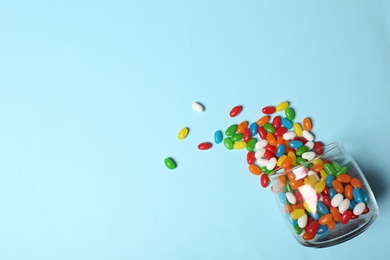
[
  {"x": 322, "y": 208},
  {"x": 253, "y": 128},
  {"x": 352, "y": 204},
  {"x": 295, "y": 144},
  {"x": 357, "y": 194},
  {"x": 329, "y": 180},
  {"x": 365, "y": 197},
  {"x": 322, "y": 229},
  {"x": 315, "y": 216},
  {"x": 218, "y": 137},
  {"x": 280, "y": 150},
  {"x": 332, "y": 192},
  {"x": 287, "y": 123},
  {"x": 292, "y": 221},
  {"x": 282, "y": 197}
]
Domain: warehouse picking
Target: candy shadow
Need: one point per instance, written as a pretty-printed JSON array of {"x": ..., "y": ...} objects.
[{"x": 377, "y": 183}]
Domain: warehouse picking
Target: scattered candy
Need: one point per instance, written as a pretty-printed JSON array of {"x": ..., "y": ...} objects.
[
  {"x": 204, "y": 146},
  {"x": 235, "y": 111},
  {"x": 182, "y": 133},
  {"x": 170, "y": 163},
  {"x": 197, "y": 107}
]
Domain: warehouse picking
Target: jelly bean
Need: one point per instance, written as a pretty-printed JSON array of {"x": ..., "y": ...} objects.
[
  {"x": 296, "y": 214},
  {"x": 302, "y": 221},
  {"x": 271, "y": 163},
  {"x": 253, "y": 128},
  {"x": 348, "y": 191},
  {"x": 281, "y": 131},
  {"x": 345, "y": 217},
  {"x": 282, "y": 106},
  {"x": 291, "y": 197},
  {"x": 315, "y": 216},
  {"x": 335, "y": 213},
  {"x": 307, "y": 124},
  {"x": 262, "y": 162},
  {"x": 277, "y": 122},
  {"x": 353, "y": 204},
  {"x": 218, "y": 137},
  {"x": 271, "y": 139},
  {"x": 366, "y": 210},
  {"x": 197, "y": 107},
  {"x": 356, "y": 183},
  {"x": 353, "y": 216},
  {"x": 182, "y": 133},
  {"x": 169, "y": 163},
  {"x": 279, "y": 140},
  {"x": 325, "y": 219},
  {"x": 270, "y": 148},
  {"x": 335, "y": 165},
  {"x": 236, "y": 137},
  {"x": 317, "y": 168},
  {"x": 357, "y": 195},
  {"x": 261, "y": 144},
  {"x": 239, "y": 145},
  {"x": 282, "y": 197},
  {"x": 262, "y": 132},
  {"x": 264, "y": 180},
  {"x": 322, "y": 208},
  {"x": 339, "y": 188},
  {"x": 322, "y": 229},
  {"x": 268, "y": 110},
  {"x": 296, "y": 144},
  {"x": 297, "y": 229},
  {"x": 231, "y": 130},
  {"x": 247, "y": 135},
  {"x": 309, "y": 145},
  {"x": 314, "y": 174},
  {"x": 342, "y": 170},
  {"x": 327, "y": 201},
  {"x": 344, "y": 178},
  {"x": 326, "y": 190},
  {"x": 313, "y": 227},
  {"x": 332, "y": 225},
  {"x": 263, "y": 120},
  {"x": 289, "y": 135},
  {"x": 280, "y": 150},
  {"x": 318, "y": 148},
  {"x": 280, "y": 160},
  {"x": 254, "y": 169},
  {"x": 298, "y": 129},
  {"x": 329, "y": 180},
  {"x": 241, "y": 127},
  {"x": 251, "y": 144},
  {"x": 300, "y": 160},
  {"x": 204, "y": 146},
  {"x": 228, "y": 143},
  {"x": 344, "y": 205},
  {"x": 307, "y": 135},
  {"x": 365, "y": 196},
  {"x": 269, "y": 128},
  {"x": 266, "y": 171},
  {"x": 298, "y": 196},
  {"x": 308, "y": 236},
  {"x": 290, "y": 114},
  {"x": 332, "y": 193},
  {"x": 293, "y": 157},
  {"x": 320, "y": 186},
  {"x": 301, "y": 150},
  {"x": 235, "y": 111},
  {"x": 287, "y": 123},
  {"x": 292, "y": 221},
  {"x": 337, "y": 199},
  {"x": 260, "y": 153},
  {"x": 250, "y": 157},
  {"x": 299, "y": 138},
  {"x": 286, "y": 162},
  {"x": 329, "y": 169}
]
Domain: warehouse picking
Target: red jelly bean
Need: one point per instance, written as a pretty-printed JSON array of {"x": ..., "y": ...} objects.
[
  {"x": 366, "y": 210},
  {"x": 313, "y": 227},
  {"x": 353, "y": 216},
  {"x": 262, "y": 132},
  {"x": 247, "y": 135},
  {"x": 327, "y": 201},
  {"x": 300, "y": 138},
  {"x": 346, "y": 216},
  {"x": 268, "y": 110},
  {"x": 318, "y": 148},
  {"x": 235, "y": 111},
  {"x": 325, "y": 191},
  {"x": 270, "y": 148},
  {"x": 281, "y": 131},
  {"x": 204, "y": 146},
  {"x": 298, "y": 196},
  {"x": 264, "y": 180},
  {"x": 276, "y": 122},
  {"x": 250, "y": 157},
  {"x": 268, "y": 155}
]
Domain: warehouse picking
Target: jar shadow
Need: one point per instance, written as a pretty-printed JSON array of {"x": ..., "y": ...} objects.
[{"x": 378, "y": 185}]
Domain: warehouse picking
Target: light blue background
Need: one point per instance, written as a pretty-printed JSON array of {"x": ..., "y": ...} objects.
[{"x": 93, "y": 94}]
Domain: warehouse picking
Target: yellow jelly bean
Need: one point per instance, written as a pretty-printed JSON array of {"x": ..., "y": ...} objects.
[
  {"x": 239, "y": 145},
  {"x": 310, "y": 207},
  {"x": 307, "y": 181},
  {"x": 182, "y": 133},
  {"x": 293, "y": 157},
  {"x": 280, "y": 160},
  {"x": 313, "y": 180},
  {"x": 282, "y": 106},
  {"x": 317, "y": 161},
  {"x": 320, "y": 186},
  {"x": 298, "y": 129},
  {"x": 323, "y": 174},
  {"x": 296, "y": 214}
]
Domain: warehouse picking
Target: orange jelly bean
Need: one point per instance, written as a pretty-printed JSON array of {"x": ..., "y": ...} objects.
[
  {"x": 335, "y": 213},
  {"x": 291, "y": 176},
  {"x": 298, "y": 206},
  {"x": 338, "y": 186},
  {"x": 286, "y": 163},
  {"x": 317, "y": 167},
  {"x": 288, "y": 208},
  {"x": 254, "y": 169},
  {"x": 307, "y": 124},
  {"x": 348, "y": 191},
  {"x": 282, "y": 179},
  {"x": 262, "y": 121},
  {"x": 325, "y": 219},
  {"x": 344, "y": 178},
  {"x": 356, "y": 183},
  {"x": 308, "y": 236},
  {"x": 279, "y": 140},
  {"x": 241, "y": 127},
  {"x": 271, "y": 139},
  {"x": 296, "y": 184},
  {"x": 332, "y": 224}
]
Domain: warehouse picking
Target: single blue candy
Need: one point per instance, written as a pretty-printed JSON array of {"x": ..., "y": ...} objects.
[
  {"x": 282, "y": 197},
  {"x": 295, "y": 144},
  {"x": 322, "y": 208},
  {"x": 366, "y": 199},
  {"x": 352, "y": 204},
  {"x": 357, "y": 194},
  {"x": 287, "y": 123},
  {"x": 332, "y": 192},
  {"x": 218, "y": 137},
  {"x": 280, "y": 150},
  {"x": 315, "y": 216},
  {"x": 329, "y": 180},
  {"x": 253, "y": 128},
  {"x": 322, "y": 229}
]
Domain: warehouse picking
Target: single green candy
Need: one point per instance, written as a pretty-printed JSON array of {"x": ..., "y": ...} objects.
[
  {"x": 288, "y": 186},
  {"x": 265, "y": 170},
  {"x": 297, "y": 229},
  {"x": 170, "y": 163},
  {"x": 290, "y": 114},
  {"x": 231, "y": 130},
  {"x": 228, "y": 143},
  {"x": 301, "y": 150},
  {"x": 329, "y": 169},
  {"x": 336, "y": 166},
  {"x": 301, "y": 160},
  {"x": 269, "y": 128},
  {"x": 340, "y": 171},
  {"x": 236, "y": 137},
  {"x": 251, "y": 144}
]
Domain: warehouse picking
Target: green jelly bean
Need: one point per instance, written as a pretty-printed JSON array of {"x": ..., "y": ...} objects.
[
  {"x": 297, "y": 229},
  {"x": 251, "y": 144},
  {"x": 228, "y": 143},
  {"x": 265, "y": 170},
  {"x": 301, "y": 150},
  {"x": 170, "y": 163},
  {"x": 288, "y": 186},
  {"x": 290, "y": 114},
  {"x": 236, "y": 137},
  {"x": 231, "y": 130},
  {"x": 340, "y": 171},
  {"x": 301, "y": 160},
  {"x": 329, "y": 169},
  {"x": 269, "y": 128},
  {"x": 336, "y": 166}
]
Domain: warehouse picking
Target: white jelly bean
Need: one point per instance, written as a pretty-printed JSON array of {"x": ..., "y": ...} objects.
[
  {"x": 197, "y": 107},
  {"x": 309, "y": 155},
  {"x": 337, "y": 199},
  {"x": 344, "y": 205},
  {"x": 307, "y": 135},
  {"x": 309, "y": 145},
  {"x": 359, "y": 208},
  {"x": 259, "y": 153},
  {"x": 314, "y": 174},
  {"x": 302, "y": 221},
  {"x": 291, "y": 197},
  {"x": 271, "y": 163},
  {"x": 289, "y": 135},
  {"x": 262, "y": 162},
  {"x": 261, "y": 144}
]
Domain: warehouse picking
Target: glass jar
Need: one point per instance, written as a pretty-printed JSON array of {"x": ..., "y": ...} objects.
[{"x": 327, "y": 200}]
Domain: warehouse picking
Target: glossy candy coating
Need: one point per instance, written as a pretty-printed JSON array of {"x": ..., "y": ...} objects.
[
  {"x": 282, "y": 106},
  {"x": 268, "y": 110},
  {"x": 290, "y": 114},
  {"x": 169, "y": 163},
  {"x": 204, "y": 146},
  {"x": 269, "y": 128},
  {"x": 182, "y": 133},
  {"x": 231, "y": 130},
  {"x": 197, "y": 107},
  {"x": 250, "y": 157},
  {"x": 241, "y": 127},
  {"x": 253, "y": 129},
  {"x": 307, "y": 124},
  {"x": 228, "y": 143},
  {"x": 218, "y": 137},
  {"x": 264, "y": 180},
  {"x": 235, "y": 111}
]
